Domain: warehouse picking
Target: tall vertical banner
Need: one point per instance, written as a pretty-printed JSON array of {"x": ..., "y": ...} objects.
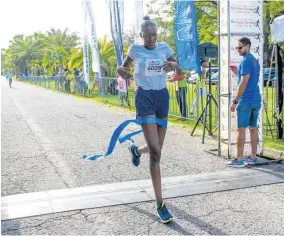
[
  {"x": 90, "y": 31},
  {"x": 238, "y": 19},
  {"x": 86, "y": 59},
  {"x": 139, "y": 14},
  {"x": 186, "y": 36},
  {"x": 116, "y": 25}
]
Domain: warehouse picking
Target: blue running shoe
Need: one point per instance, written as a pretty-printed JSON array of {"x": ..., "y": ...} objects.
[
  {"x": 236, "y": 163},
  {"x": 250, "y": 160},
  {"x": 164, "y": 214},
  {"x": 133, "y": 149}
]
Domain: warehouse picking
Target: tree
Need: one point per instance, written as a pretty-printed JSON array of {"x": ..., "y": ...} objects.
[
  {"x": 129, "y": 37},
  {"x": 76, "y": 58},
  {"x": 57, "y": 38},
  {"x": 35, "y": 67},
  {"x": 162, "y": 12},
  {"x": 24, "y": 49},
  {"x": 207, "y": 21},
  {"x": 53, "y": 58},
  {"x": 271, "y": 10},
  {"x": 7, "y": 61},
  {"x": 107, "y": 55}
]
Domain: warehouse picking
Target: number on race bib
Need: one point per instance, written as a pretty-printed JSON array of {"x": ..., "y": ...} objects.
[{"x": 153, "y": 67}]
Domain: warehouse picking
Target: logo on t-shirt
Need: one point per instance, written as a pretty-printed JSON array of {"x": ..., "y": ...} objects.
[{"x": 153, "y": 67}]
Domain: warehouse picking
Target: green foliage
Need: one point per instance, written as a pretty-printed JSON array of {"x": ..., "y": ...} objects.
[
  {"x": 35, "y": 66},
  {"x": 271, "y": 10},
  {"x": 47, "y": 51},
  {"x": 75, "y": 58},
  {"x": 39, "y": 51},
  {"x": 207, "y": 22},
  {"x": 7, "y": 61},
  {"x": 23, "y": 49},
  {"x": 107, "y": 55},
  {"x": 276, "y": 8},
  {"x": 129, "y": 37},
  {"x": 53, "y": 58},
  {"x": 162, "y": 12},
  {"x": 57, "y": 38}
]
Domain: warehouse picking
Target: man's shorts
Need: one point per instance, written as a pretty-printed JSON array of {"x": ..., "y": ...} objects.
[
  {"x": 152, "y": 102},
  {"x": 247, "y": 115}
]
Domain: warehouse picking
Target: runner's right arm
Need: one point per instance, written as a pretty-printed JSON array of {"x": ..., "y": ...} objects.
[{"x": 124, "y": 70}]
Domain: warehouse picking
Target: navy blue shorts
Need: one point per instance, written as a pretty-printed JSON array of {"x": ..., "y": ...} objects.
[{"x": 152, "y": 102}]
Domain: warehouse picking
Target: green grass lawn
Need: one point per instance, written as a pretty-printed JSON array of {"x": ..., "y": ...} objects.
[
  {"x": 273, "y": 143},
  {"x": 114, "y": 100}
]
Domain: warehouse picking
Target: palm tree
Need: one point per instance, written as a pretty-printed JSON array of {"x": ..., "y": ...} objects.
[
  {"x": 107, "y": 55},
  {"x": 7, "y": 61},
  {"x": 53, "y": 58},
  {"x": 35, "y": 66},
  {"x": 24, "y": 49},
  {"x": 76, "y": 58},
  {"x": 57, "y": 38}
]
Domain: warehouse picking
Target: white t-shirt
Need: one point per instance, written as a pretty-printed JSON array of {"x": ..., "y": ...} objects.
[{"x": 148, "y": 71}]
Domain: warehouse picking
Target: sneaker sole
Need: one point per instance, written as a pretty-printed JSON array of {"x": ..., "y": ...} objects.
[
  {"x": 129, "y": 149},
  {"x": 166, "y": 221},
  {"x": 250, "y": 162},
  {"x": 236, "y": 166}
]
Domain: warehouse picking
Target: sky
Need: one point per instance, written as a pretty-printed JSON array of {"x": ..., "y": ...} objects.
[{"x": 29, "y": 16}]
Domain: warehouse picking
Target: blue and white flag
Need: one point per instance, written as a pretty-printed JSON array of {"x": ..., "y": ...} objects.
[
  {"x": 86, "y": 58},
  {"x": 139, "y": 14},
  {"x": 186, "y": 35},
  {"x": 116, "y": 25},
  {"x": 90, "y": 31}
]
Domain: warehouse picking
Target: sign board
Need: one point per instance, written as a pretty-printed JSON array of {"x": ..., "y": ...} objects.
[{"x": 237, "y": 19}]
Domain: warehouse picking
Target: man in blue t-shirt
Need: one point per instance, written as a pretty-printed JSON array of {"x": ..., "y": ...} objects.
[{"x": 247, "y": 102}]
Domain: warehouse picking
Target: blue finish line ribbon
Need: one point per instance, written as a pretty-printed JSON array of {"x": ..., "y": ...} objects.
[{"x": 116, "y": 134}]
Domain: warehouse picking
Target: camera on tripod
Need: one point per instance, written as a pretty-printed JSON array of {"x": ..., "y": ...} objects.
[{"x": 207, "y": 51}]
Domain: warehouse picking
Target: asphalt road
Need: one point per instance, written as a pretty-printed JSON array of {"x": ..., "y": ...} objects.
[{"x": 44, "y": 135}]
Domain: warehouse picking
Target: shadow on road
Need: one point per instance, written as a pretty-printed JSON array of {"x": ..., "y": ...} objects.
[
  {"x": 10, "y": 227},
  {"x": 210, "y": 229}
]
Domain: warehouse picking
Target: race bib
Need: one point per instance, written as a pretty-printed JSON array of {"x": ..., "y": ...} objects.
[{"x": 153, "y": 67}]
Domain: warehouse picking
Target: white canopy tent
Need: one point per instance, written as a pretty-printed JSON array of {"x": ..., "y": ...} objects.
[
  {"x": 277, "y": 35},
  {"x": 277, "y": 30}
]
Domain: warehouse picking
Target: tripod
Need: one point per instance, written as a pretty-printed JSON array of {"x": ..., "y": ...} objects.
[
  {"x": 203, "y": 117},
  {"x": 204, "y": 112}
]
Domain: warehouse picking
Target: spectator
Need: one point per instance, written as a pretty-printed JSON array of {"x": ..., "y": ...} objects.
[
  {"x": 201, "y": 86},
  {"x": 83, "y": 86},
  {"x": 95, "y": 81},
  {"x": 122, "y": 86},
  {"x": 76, "y": 82},
  {"x": 67, "y": 81},
  {"x": 181, "y": 91},
  {"x": 247, "y": 102},
  {"x": 60, "y": 76}
]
